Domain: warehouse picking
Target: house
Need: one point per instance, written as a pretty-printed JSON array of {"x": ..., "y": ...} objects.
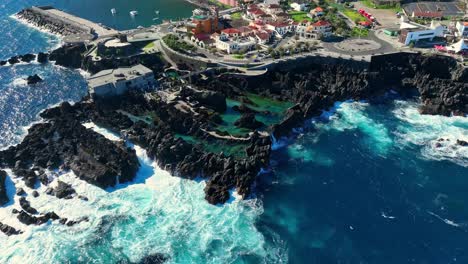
[
  {"x": 231, "y": 45},
  {"x": 318, "y": 30},
  {"x": 426, "y": 14},
  {"x": 281, "y": 17},
  {"x": 255, "y": 13},
  {"x": 323, "y": 28},
  {"x": 462, "y": 28},
  {"x": 231, "y": 32},
  {"x": 273, "y": 9},
  {"x": 281, "y": 28},
  {"x": 121, "y": 80},
  {"x": 262, "y": 37},
  {"x": 245, "y": 31},
  {"x": 298, "y": 7},
  {"x": 316, "y": 12}
]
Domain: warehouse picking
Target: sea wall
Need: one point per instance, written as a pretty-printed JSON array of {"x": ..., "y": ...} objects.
[
  {"x": 185, "y": 60},
  {"x": 42, "y": 18}
]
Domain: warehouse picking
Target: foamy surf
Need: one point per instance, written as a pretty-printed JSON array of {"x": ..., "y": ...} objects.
[
  {"x": 157, "y": 213},
  {"x": 436, "y": 135}
]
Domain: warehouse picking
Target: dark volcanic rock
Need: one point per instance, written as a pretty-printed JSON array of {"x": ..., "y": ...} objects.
[
  {"x": 27, "y": 58},
  {"x": 26, "y": 205},
  {"x": 3, "y": 192},
  {"x": 462, "y": 143},
  {"x": 3, "y": 63},
  {"x": 247, "y": 120},
  {"x": 70, "y": 56},
  {"x": 64, "y": 190},
  {"x": 211, "y": 99},
  {"x": 14, "y": 60},
  {"x": 20, "y": 192},
  {"x": 42, "y": 57},
  {"x": 33, "y": 79},
  {"x": 64, "y": 141},
  {"x": 28, "y": 219},
  {"x": 157, "y": 258},
  {"x": 8, "y": 230},
  {"x": 35, "y": 194}
]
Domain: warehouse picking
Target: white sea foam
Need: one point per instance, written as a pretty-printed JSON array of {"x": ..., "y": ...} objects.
[
  {"x": 19, "y": 82},
  {"x": 436, "y": 135},
  {"x": 156, "y": 213},
  {"x": 56, "y": 41},
  {"x": 351, "y": 115}
]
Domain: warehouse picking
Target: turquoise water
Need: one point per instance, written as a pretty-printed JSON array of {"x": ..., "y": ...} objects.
[{"x": 367, "y": 184}]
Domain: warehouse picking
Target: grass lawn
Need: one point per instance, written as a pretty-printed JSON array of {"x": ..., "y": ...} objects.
[
  {"x": 353, "y": 15},
  {"x": 238, "y": 56},
  {"x": 359, "y": 32},
  {"x": 299, "y": 16},
  {"x": 369, "y": 3},
  {"x": 236, "y": 15},
  {"x": 149, "y": 46}
]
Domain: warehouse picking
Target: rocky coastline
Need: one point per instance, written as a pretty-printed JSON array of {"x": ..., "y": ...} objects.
[{"x": 176, "y": 124}]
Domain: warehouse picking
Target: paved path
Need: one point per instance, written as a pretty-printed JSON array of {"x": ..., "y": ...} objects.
[{"x": 100, "y": 30}]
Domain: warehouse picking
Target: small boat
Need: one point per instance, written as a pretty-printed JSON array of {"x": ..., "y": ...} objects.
[
  {"x": 133, "y": 13},
  {"x": 113, "y": 11},
  {"x": 156, "y": 18}
]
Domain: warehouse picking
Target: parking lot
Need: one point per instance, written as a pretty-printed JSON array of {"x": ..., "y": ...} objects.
[{"x": 386, "y": 17}]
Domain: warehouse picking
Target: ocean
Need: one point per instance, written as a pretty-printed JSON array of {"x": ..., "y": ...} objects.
[{"x": 363, "y": 183}]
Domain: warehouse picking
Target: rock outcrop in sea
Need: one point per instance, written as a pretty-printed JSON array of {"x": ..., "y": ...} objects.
[{"x": 3, "y": 192}]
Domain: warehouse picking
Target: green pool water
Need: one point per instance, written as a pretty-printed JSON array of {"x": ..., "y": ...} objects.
[
  {"x": 217, "y": 146},
  {"x": 276, "y": 110}
]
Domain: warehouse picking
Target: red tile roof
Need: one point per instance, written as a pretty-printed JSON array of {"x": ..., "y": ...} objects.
[
  {"x": 230, "y": 31},
  {"x": 279, "y": 24},
  {"x": 318, "y": 9},
  {"x": 427, "y": 14},
  {"x": 321, "y": 23},
  {"x": 262, "y": 35}
]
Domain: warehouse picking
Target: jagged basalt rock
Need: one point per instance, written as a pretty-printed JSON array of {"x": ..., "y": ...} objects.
[
  {"x": 64, "y": 141},
  {"x": 26, "y": 206},
  {"x": 64, "y": 191},
  {"x": 28, "y": 219},
  {"x": 247, "y": 120},
  {"x": 42, "y": 57},
  {"x": 8, "y": 230},
  {"x": 3, "y": 192},
  {"x": 34, "y": 79},
  {"x": 156, "y": 258}
]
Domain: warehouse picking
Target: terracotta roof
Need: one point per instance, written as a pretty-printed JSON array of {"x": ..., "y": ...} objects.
[
  {"x": 262, "y": 35},
  {"x": 318, "y": 9},
  {"x": 321, "y": 23},
  {"x": 427, "y": 14},
  {"x": 279, "y": 24},
  {"x": 465, "y": 24},
  {"x": 230, "y": 31}
]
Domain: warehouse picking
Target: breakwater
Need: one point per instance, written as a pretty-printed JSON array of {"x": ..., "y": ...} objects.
[{"x": 73, "y": 28}]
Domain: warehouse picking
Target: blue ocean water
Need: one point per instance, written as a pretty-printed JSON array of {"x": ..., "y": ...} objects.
[{"x": 364, "y": 184}]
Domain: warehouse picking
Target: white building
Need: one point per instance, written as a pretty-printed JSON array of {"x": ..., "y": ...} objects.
[
  {"x": 231, "y": 45},
  {"x": 118, "y": 81},
  {"x": 462, "y": 28},
  {"x": 460, "y": 46},
  {"x": 412, "y": 32},
  {"x": 298, "y": 7},
  {"x": 281, "y": 28}
]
